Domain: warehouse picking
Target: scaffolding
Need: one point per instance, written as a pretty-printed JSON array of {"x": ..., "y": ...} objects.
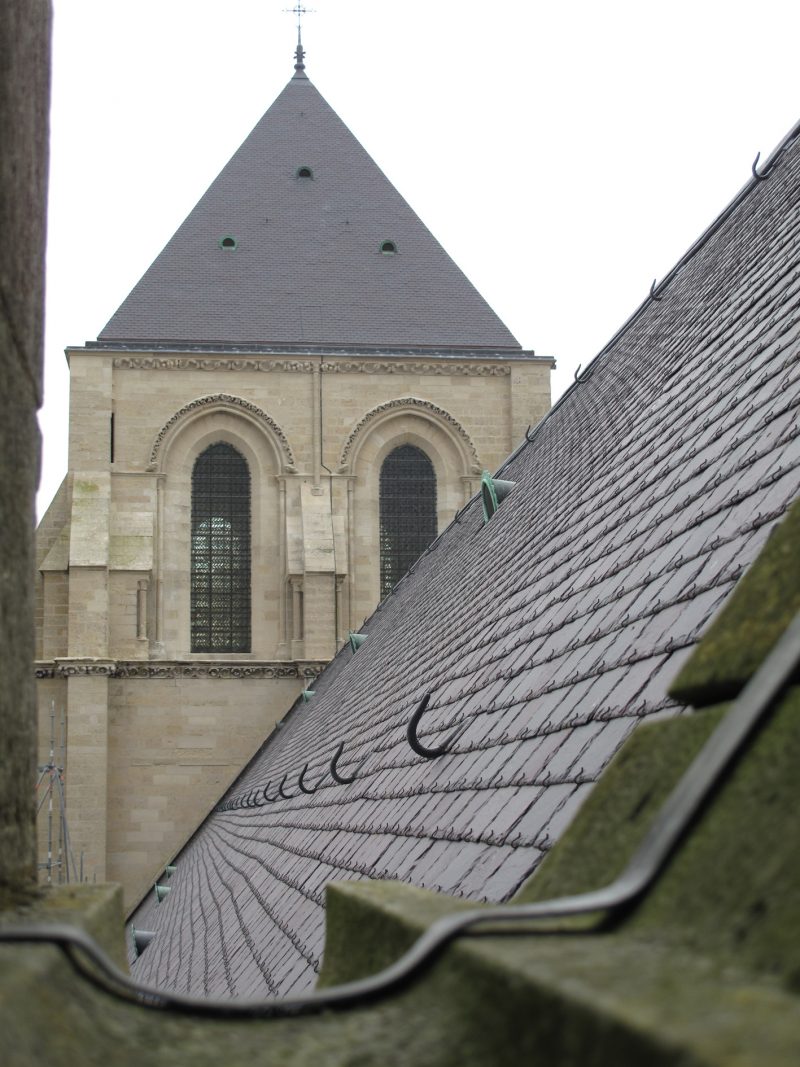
[{"x": 50, "y": 791}]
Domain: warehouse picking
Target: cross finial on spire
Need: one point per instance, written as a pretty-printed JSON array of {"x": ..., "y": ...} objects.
[{"x": 299, "y": 54}]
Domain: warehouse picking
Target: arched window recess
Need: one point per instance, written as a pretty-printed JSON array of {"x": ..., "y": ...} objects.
[
  {"x": 220, "y": 551},
  {"x": 407, "y": 512}
]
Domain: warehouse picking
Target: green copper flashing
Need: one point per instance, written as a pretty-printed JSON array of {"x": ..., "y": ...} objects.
[
  {"x": 306, "y": 695},
  {"x": 141, "y": 939},
  {"x": 493, "y": 493},
  {"x": 161, "y": 891},
  {"x": 356, "y": 641}
]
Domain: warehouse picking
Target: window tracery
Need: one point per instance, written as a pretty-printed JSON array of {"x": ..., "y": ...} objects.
[
  {"x": 220, "y": 551},
  {"x": 407, "y": 512}
]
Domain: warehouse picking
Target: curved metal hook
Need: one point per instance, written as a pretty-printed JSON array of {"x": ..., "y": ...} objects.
[
  {"x": 758, "y": 177},
  {"x": 269, "y": 800},
  {"x": 653, "y": 292},
  {"x": 416, "y": 744},
  {"x": 578, "y": 378},
  {"x": 341, "y": 778},
  {"x": 285, "y": 796},
  {"x": 301, "y": 782}
]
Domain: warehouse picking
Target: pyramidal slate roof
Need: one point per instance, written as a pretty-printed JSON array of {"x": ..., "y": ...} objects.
[
  {"x": 548, "y": 633},
  {"x": 307, "y": 267}
]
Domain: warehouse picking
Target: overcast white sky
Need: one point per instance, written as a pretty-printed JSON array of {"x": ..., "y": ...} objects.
[{"x": 565, "y": 154}]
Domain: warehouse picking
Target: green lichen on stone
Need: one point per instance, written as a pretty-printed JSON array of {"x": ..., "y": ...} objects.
[
  {"x": 621, "y": 808},
  {"x": 552, "y": 1001},
  {"x": 731, "y": 893},
  {"x": 97, "y": 909},
  {"x": 760, "y": 609},
  {"x": 132, "y": 551},
  {"x": 368, "y": 925},
  {"x": 579, "y": 999}
]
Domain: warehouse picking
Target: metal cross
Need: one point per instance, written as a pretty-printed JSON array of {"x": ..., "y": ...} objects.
[
  {"x": 299, "y": 10},
  {"x": 299, "y": 54}
]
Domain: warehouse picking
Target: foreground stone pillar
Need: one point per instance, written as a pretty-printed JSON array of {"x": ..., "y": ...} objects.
[{"x": 24, "y": 95}]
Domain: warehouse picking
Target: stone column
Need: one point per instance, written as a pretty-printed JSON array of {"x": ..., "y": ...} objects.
[
  {"x": 316, "y": 440},
  {"x": 297, "y": 617},
  {"x": 341, "y": 634},
  {"x": 24, "y": 97},
  {"x": 142, "y": 609}
]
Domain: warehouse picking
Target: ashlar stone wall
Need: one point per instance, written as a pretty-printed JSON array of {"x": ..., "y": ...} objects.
[{"x": 156, "y": 732}]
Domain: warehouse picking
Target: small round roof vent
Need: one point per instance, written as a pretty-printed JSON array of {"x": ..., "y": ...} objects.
[
  {"x": 388, "y": 248},
  {"x": 229, "y": 243},
  {"x": 305, "y": 172}
]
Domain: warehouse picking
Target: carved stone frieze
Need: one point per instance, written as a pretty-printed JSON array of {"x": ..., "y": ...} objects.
[
  {"x": 212, "y": 363},
  {"x": 207, "y": 670},
  {"x": 76, "y": 669},
  {"x": 211, "y": 670},
  {"x": 223, "y": 400},
  {"x": 439, "y": 368},
  {"x": 409, "y": 404}
]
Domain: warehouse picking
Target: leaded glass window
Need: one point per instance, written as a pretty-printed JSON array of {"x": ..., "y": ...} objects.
[
  {"x": 220, "y": 599},
  {"x": 407, "y": 512}
]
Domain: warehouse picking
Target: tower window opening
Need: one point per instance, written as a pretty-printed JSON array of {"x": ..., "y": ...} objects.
[
  {"x": 220, "y": 551},
  {"x": 407, "y": 512}
]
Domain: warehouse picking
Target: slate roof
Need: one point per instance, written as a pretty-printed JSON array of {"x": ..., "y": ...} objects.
[
  {"x": 551, "y": 632},
  {"x": 308, "y": 266}
]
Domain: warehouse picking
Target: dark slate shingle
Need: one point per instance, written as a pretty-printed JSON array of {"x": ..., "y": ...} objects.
[
  {"x": 552, "y": 631},
  {"x": 308, "y": 266}
]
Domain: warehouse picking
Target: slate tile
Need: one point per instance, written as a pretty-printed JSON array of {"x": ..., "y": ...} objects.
[
  {"x": 643, "y": 497},
  {"x": 502, "y": 809},
  {"x": 533, "y": 823},
  {"x": 603, "y": 745},
  {"x": 512, "y": 873}
]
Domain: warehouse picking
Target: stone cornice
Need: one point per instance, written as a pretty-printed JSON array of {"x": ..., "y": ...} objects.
[
  {"x": 439, "y": 368},
  {"x": 201, "y": 669}
]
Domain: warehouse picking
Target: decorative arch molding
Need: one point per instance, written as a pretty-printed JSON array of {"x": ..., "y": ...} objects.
[
  {"x": 414, "y": 406},
  {"x": 222, "y": 402}
]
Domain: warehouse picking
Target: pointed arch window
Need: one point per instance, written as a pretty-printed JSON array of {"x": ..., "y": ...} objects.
[
  {"x": 407, "y": 512},
  {"x": 220, "y": 563}
]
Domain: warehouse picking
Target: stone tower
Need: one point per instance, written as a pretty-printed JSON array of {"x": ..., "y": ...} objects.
[{"x": 297, "y": 396}]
